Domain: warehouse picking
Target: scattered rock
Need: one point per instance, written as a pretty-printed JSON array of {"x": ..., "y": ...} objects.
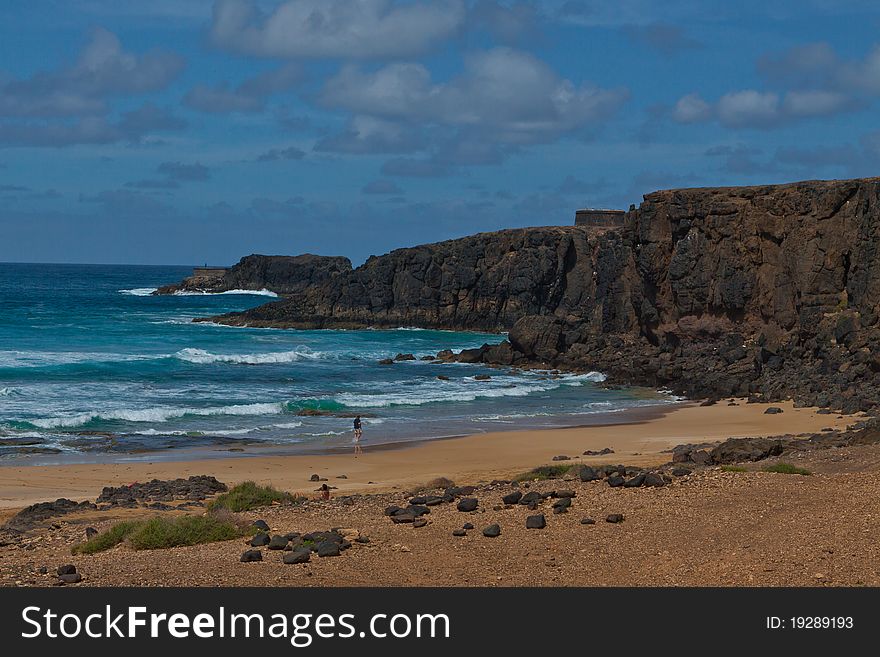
[
  {"x": 90, "y": 532},
  {"x": 532, "y": 496},
  {"x": 299, "y": 555},
  {"x": 419, "y": 522},
  {"x": 278, "y": 543},
  {"x": 404, "y": 357},
  {"x": 614, "y": 518},
  {"x": 536, "y": 522},
  {"x": 492, "y": 531},
  {"x": 33, "y": 515},
  {"x": 68, "y": 569},
  {"x": 636, "y": 481},
  {"x": 615, "y": 480},
  {"x": 467, "y": 525},
  {"x": 328, "y": 549},
  {"x": 561, "y": 457},
  {"x": 262, "y": 525},
  {"x": 442, "y": 377},
  {"x": 563, "y": 493},
  {"x": 773, "y": 410},
  {"x": 251, "y": 555},
  {"x": 482, "y": 377},
  {"x": 70, "y": 578},
  {"x": 404, "y": 517},
  {"x": 315, "y": 477},
  {"x": 386, "y": 361},
  {"x": 601, "y": 452},
  {"x": 459, "y": 532},
  {"x": 653, "y": 479},
  {"x": 681, "y": 472},
  {"x": 467, "y": 504},
  {"x": 587, "y": 473},
  {"x": 512, "y": 498},
  {"x": 260, "y": 539},
  {"x": 588, "y": 521}
]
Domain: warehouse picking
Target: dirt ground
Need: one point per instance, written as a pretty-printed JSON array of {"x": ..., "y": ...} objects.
[{"x": 712, "y": 527}]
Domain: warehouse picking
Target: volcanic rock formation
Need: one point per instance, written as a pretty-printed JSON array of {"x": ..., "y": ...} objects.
[{"x": 770, "y": 291}]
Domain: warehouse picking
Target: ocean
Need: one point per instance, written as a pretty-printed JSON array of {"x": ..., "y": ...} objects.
[{"x": 93, "y": 367}]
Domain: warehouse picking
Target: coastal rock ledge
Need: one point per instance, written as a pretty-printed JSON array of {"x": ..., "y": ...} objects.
[
  {"x": 767, "y": 291},
  {"x": 282, "y": 275}
]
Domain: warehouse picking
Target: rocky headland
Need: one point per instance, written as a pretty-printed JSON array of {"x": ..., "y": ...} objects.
[
  {"x": 769, "y": 292},
  {"x": 282, "y": 275}
]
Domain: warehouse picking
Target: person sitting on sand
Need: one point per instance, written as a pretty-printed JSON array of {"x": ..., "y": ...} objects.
[
  {"x": 358, "y": 432},
  {"x": 325, "y": 491}
]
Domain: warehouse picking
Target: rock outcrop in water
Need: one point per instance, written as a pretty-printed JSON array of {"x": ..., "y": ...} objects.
[
  {"x": 280, "y": 274},
  {"x": 768, "y": 291}
]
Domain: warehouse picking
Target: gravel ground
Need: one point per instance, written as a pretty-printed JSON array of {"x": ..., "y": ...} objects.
[{"x": 709, "y": 528}]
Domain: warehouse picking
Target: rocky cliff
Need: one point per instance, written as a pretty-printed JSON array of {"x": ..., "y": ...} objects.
[
  {"x": 770, "y": 291},
  {"x": 280, "y": 274}
]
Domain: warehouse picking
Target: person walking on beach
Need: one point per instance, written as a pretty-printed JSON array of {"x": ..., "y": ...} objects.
[{"x": 358, "y": 432}]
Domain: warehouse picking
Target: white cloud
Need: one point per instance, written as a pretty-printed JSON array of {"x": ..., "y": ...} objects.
[
  {"x": 249, "y": 96},
  {"x": 509, "y": 93},
  {"x": 103, "y": 69},
  {"x": 336, "y": 28},
  {"x": 691, "y": 109},
  {"x": 748, "y": 108},
  {"x": 815, "y": 103},
  {"x": 367, "y": 135}
]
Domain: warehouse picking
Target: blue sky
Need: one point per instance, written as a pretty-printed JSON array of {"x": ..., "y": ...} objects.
[{"x": 174, "y": 132}]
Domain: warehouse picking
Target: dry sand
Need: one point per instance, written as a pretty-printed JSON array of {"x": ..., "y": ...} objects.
[
  {"x": 468, "y": 459},
  {"x": 708, "y": 528}
]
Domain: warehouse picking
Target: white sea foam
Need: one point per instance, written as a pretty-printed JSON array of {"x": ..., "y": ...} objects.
[
  {"x": 156, "y": 415},
  {"x": 433, "y": 394},
  {"x": 8, "y": 392},
  {"x": 202, "y": 357},
  {"x": 47, "y": 358},
  {"x": 139, "y": 291},
  {"x": 287, "y": 425},
  {"x": 189, "y": 293}
]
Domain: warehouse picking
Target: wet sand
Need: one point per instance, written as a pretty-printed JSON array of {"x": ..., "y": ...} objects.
[{"x": 468, "y": 459}]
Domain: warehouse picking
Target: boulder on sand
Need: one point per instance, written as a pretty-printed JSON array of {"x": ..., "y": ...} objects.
[{"x": 536, "y": 522}]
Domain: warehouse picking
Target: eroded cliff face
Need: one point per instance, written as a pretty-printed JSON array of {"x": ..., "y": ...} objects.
[
  {"x": 769, "y": 291},
  {"x": 280, "y": 274},
  {"x": 483, "y": 282}
]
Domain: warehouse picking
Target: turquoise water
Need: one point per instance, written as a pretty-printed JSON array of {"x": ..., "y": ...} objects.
[{"x": 91, "y": 364}]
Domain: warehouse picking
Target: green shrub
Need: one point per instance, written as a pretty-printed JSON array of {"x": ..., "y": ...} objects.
[
  {"x": 183, "y": 530},
  {"x": 164, "y": 532},
  {"x": 247, "y": 496},
  {"x": 544, "y": 472},
  {"x": 787, "y": 468},
  {"x": 733, "y": 468},
  {"x": 108, "y": 539}
]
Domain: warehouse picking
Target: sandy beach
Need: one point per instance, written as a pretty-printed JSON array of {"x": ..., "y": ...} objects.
[{"x": 468, "y": 459}]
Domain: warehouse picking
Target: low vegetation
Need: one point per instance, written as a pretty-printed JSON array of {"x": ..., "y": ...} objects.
[
  {"x": 162, "y": 532},
  {"x": 544, "y": 472},
  {"x": 787, "y": 468},
  {"x": 249, "y": 495}
]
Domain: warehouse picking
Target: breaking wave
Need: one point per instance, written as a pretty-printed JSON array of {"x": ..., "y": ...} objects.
[
  {"x": 190, "y": 293},
  {"x": 139, "y": 291},
  {"x": 202, "y": 357}
]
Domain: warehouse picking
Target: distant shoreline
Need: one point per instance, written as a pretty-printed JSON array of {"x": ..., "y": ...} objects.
[
  {"x": 623, "y": 416},
  {"x": 642, "y": 441}
]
